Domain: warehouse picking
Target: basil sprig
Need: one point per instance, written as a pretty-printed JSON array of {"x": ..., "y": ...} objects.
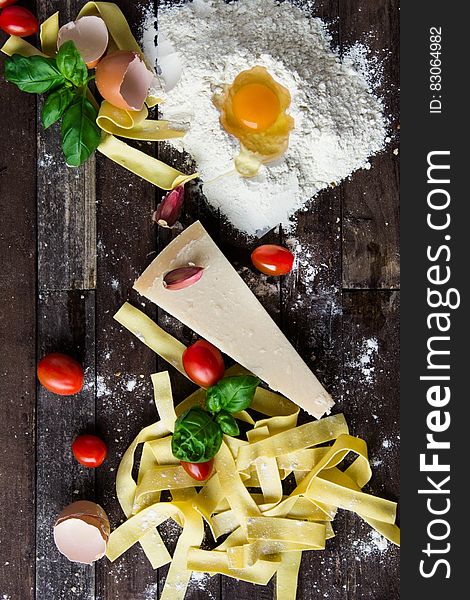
[
  {"x": 65, "y": 79},
  {"x": 232, "y": 394},
  {"x": 33, "y": 74},
  {"x": 197, "y": 437},
  {"x": 198, "y": 432},
  {"x": 80, "y": 133}
]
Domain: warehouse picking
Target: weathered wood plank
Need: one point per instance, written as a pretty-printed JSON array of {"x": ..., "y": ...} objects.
[
  {"x": 126, "y": 241},
  {"x": 17, "y": 332},
  {"x": 126, "y": 244},
  {"x": 65, "y": 324},
  {"x": 66, "y": 199},
  {"x": 370, "y": 199}
]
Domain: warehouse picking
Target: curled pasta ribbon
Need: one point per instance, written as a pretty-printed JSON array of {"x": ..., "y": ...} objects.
[
  {"x": 111, "y": 120},
  {"x": 267, "y": 530}
]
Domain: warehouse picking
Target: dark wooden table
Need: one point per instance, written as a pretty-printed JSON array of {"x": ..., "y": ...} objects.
[{"x": 73, "y": 241}]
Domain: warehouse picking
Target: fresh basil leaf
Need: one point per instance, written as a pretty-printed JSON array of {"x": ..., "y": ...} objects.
[
  {"x": 80, "y": 133},
  {"x": 227, "y": 423},
  {"x": 55, "y": 105},
  {"x": 71, "y": 64},
  {"x": 197, "y": 437},
  {"x": 232, "y": 394},
  {"x": 33, "y": 74}
]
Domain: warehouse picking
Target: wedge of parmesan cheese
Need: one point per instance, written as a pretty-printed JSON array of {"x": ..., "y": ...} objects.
[{"x": 221, "y": 308}]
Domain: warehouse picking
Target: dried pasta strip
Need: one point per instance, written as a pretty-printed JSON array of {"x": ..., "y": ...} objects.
[
  {"x": 148, "y": 332},
  {"x": 48, "y": 34},
  {"x": 161, "y": 449},
  {"x": 286, "y": 442},
  {"x": 214, "y": 561},
  {"x": 131, "y": 125},
  {"x": 125, "y": 484},
  {"x": 325, "y": 489},
  {"x": 165, "y": 477},
  {"x": 389, "y": 530},
  {"x": 209, "y": 498},
  {"x": 164, "y": 399},
  {"x": 223, "y": 523},
  {"x": 286, "y": 530},
  {"x": 303, "y": 460},
  {"x": 338, "y": 451},
  {"x": 17, "y": 45},
  {"x": 287, "y": 576},
  {"x": 149, "y": 168},
  {"x": 236, "y": 493},
  {"x": 267, "y": 470},
  {"x": 305, "y": 509}
]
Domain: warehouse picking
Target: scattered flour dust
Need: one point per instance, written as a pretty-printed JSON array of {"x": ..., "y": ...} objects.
[
  {"x": 339, "y": 122},
  {"x": 365, "y": 361}
]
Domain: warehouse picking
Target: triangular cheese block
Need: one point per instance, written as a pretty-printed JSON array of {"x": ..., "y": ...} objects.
[{"x": 221, "y": 308}]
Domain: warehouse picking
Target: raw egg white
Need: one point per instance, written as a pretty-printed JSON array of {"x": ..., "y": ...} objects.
[{"x": 253, "y": 109}]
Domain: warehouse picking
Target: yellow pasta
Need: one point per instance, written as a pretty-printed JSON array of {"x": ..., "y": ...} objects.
[{"x": 268, "y": 530}]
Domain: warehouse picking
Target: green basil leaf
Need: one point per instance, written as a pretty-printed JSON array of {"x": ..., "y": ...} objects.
[
  {"x": 71, "y": 64},
  {"x": 55, "y": 105},
  {"x": 80, "y": 133},
  {"x": 197, "y": 437},
  {"x": 232, "y": 394},
  {"x": 227, "y": 423},
  {"x": 33, "y": 74}
]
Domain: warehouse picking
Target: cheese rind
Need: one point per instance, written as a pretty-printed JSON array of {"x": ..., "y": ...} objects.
[{"x": 221, "y": 308}]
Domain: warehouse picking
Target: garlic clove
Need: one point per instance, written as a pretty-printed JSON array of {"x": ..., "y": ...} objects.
[
  {"x": 169, "y": 210},
  {"x": 181, "y": 278}
]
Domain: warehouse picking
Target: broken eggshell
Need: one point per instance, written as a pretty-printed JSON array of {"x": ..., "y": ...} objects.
[
  {"x": 169, "y": 66},
  {"x": 81, "y": 532},
  {"x": 123, "y": 79},
  {"x": 90, "y": 36}
]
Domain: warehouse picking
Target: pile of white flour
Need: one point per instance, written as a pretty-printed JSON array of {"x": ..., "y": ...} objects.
[{"x": 339, "y": 123}]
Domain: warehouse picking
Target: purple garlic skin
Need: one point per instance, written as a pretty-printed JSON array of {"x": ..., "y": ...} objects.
[
  {"x": 181, "y": 278},
  {"x": 169, "y": 210}
]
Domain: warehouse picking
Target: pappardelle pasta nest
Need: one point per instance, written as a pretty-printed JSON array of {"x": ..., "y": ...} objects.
[{"x": 264, "y": 530}]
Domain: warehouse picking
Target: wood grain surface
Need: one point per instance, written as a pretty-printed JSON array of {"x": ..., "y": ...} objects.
[{"x": 73, "y": 241}]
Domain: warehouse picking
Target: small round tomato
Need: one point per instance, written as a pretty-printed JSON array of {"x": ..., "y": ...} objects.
[
  {"x": 203, "y": 363},
  {"x": 19, "y": 21},
  {"x": 89, "y": 450},
  {"x": 4, "y": 3},
  {"x": 60, "y": 374},
  {"x": 198, "y": 471},
  {"x": 271, "y": 259}
]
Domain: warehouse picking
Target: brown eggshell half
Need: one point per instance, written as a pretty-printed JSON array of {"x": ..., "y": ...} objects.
[
  {"x": 90, "y": 36},
  {"x": 81, "y": 532},
  {"x": 123, "y": 80}
]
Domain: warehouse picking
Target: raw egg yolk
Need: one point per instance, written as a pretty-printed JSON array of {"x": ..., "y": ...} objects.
[{"x": 256, "y": 106}]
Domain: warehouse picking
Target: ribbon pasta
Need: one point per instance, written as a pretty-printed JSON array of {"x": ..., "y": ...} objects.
[{"x": 267, "y": 529}]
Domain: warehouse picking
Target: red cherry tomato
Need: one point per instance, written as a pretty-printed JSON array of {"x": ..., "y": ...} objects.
[
  {"x": 89, "y": 450},
  {"x": 199, "y": 471},
  {"x": 4, "y": 3},
  {"x": 19, "y": 21},
  {"x": 272, "y": 259},
  {"x": 203, "y": 363},
  {"x": 60, "y": 374}
]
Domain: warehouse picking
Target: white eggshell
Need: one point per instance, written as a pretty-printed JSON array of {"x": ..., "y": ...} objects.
[
  {"x": 81, "y": 532},
  {"x": 136, "y": 84},
  {"x": 169, "y": 66},
  {"x": 90, "y": 36},
  {"x": 79, "y": 541}
]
